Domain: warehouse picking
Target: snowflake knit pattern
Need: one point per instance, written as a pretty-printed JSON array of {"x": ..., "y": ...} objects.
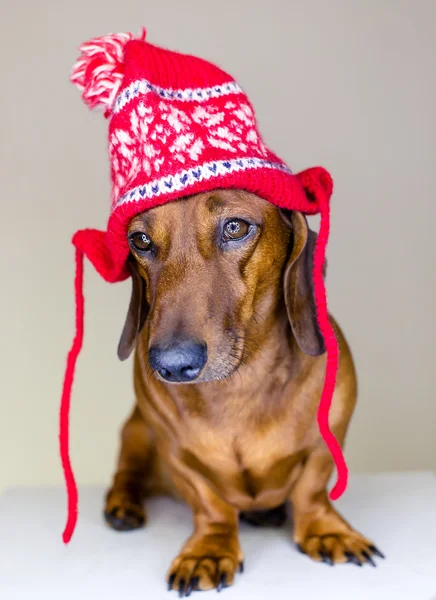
[{"x": 179, "y": 125}]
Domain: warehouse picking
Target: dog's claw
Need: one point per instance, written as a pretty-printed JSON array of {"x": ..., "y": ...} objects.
[
  {"x": 369, "y": 559},
  {"x": 181, "y": 588},
  {"x": 326, "y": 558},
  {"x": 377, "y": 552},
  {"x": 221, "y": 582},
  {"x": 191, "y": 586},
  {"x": 241, "y": 566},
  {"x": 171, "y": 581},
  {"x": 353, "y": 559}
]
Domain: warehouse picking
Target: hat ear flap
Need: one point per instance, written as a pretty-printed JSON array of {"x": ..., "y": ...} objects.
[
  {"x": 298, "y": 286},
  {"x": 136, "y": 315},
  {"x": 317, "y": 185},
  {"x": 109, "y": 262}
]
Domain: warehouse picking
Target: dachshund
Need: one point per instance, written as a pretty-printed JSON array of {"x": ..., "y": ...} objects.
[{"x": 228, "y": 373}]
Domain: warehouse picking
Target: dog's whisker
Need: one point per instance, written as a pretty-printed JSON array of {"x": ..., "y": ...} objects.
[
  {"x": 259, "y": 315},
  {"x": 250, "y": 340}
]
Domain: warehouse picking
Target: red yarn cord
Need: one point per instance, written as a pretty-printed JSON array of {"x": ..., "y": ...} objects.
[
  {"x": 64, "y": 436},
  {"x": 332, "y": 353}
]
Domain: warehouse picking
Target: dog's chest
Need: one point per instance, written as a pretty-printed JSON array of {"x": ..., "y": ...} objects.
[
  {"x": 251, "y": 465},
  {"x": 249, "y": 446}
]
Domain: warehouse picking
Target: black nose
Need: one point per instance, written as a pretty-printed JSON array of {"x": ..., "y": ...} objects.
[{"x": 180, "y": 361}]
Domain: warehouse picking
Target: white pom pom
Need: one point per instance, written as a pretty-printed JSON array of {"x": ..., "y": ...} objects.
[{"x": 99, "y": 70}]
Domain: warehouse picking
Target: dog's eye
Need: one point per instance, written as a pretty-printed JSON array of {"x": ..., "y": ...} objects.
[
  {"x": 235, "y": 229},
  {"x": 140, "y": 241}
]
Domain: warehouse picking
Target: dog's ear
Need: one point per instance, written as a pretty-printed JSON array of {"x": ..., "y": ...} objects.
[
  {"x": 298, "y": 286},
  {"x": 136, "y": 315}
]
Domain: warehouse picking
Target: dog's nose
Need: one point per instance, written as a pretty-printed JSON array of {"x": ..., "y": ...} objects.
[{"x": 180, "y": 361}]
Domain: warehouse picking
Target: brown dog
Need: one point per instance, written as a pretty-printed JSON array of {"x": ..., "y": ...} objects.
[{"x": 228, "y": 369}]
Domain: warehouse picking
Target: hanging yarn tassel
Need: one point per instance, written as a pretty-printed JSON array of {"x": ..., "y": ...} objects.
[
  {"x": 64, "y": 435},
  {"x": 322, "y": 195},
  {"x": 99, "y": 70}
]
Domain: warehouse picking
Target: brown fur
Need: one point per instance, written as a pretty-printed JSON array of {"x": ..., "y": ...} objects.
[{"x": 244, "y": 436}]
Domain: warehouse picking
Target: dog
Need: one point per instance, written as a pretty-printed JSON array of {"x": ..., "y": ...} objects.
[{"x": 228, "y": 372}]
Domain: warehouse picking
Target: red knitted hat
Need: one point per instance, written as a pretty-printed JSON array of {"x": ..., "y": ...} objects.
[{"x": 179, "y": 125}]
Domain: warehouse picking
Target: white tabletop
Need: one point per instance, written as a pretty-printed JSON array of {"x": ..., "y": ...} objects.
[{"x": 398, "y": 511}]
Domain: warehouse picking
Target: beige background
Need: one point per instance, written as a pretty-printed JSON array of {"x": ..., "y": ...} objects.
[{"x": 349, "y": 84}]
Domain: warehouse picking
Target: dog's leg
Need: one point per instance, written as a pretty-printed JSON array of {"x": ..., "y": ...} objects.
[
  {"x": 124, "y": 508},
  {"x": 319, "y": 530},
  {"x": 211, "y": 556}
]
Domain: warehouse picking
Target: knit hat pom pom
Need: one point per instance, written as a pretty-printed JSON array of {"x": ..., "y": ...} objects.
[{"x": 99, "y": 70}]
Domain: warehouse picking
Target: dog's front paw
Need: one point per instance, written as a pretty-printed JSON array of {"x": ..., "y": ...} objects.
[
  {"x": 123, "y": 513},
  {"x": 205, "y": 563},
  {"x": 338, "y": 546}
]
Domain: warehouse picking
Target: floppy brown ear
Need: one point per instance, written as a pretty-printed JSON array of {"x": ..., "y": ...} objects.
[
  {"x": 298, "y": 286},
  {"x": 136, "y": 315}
]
